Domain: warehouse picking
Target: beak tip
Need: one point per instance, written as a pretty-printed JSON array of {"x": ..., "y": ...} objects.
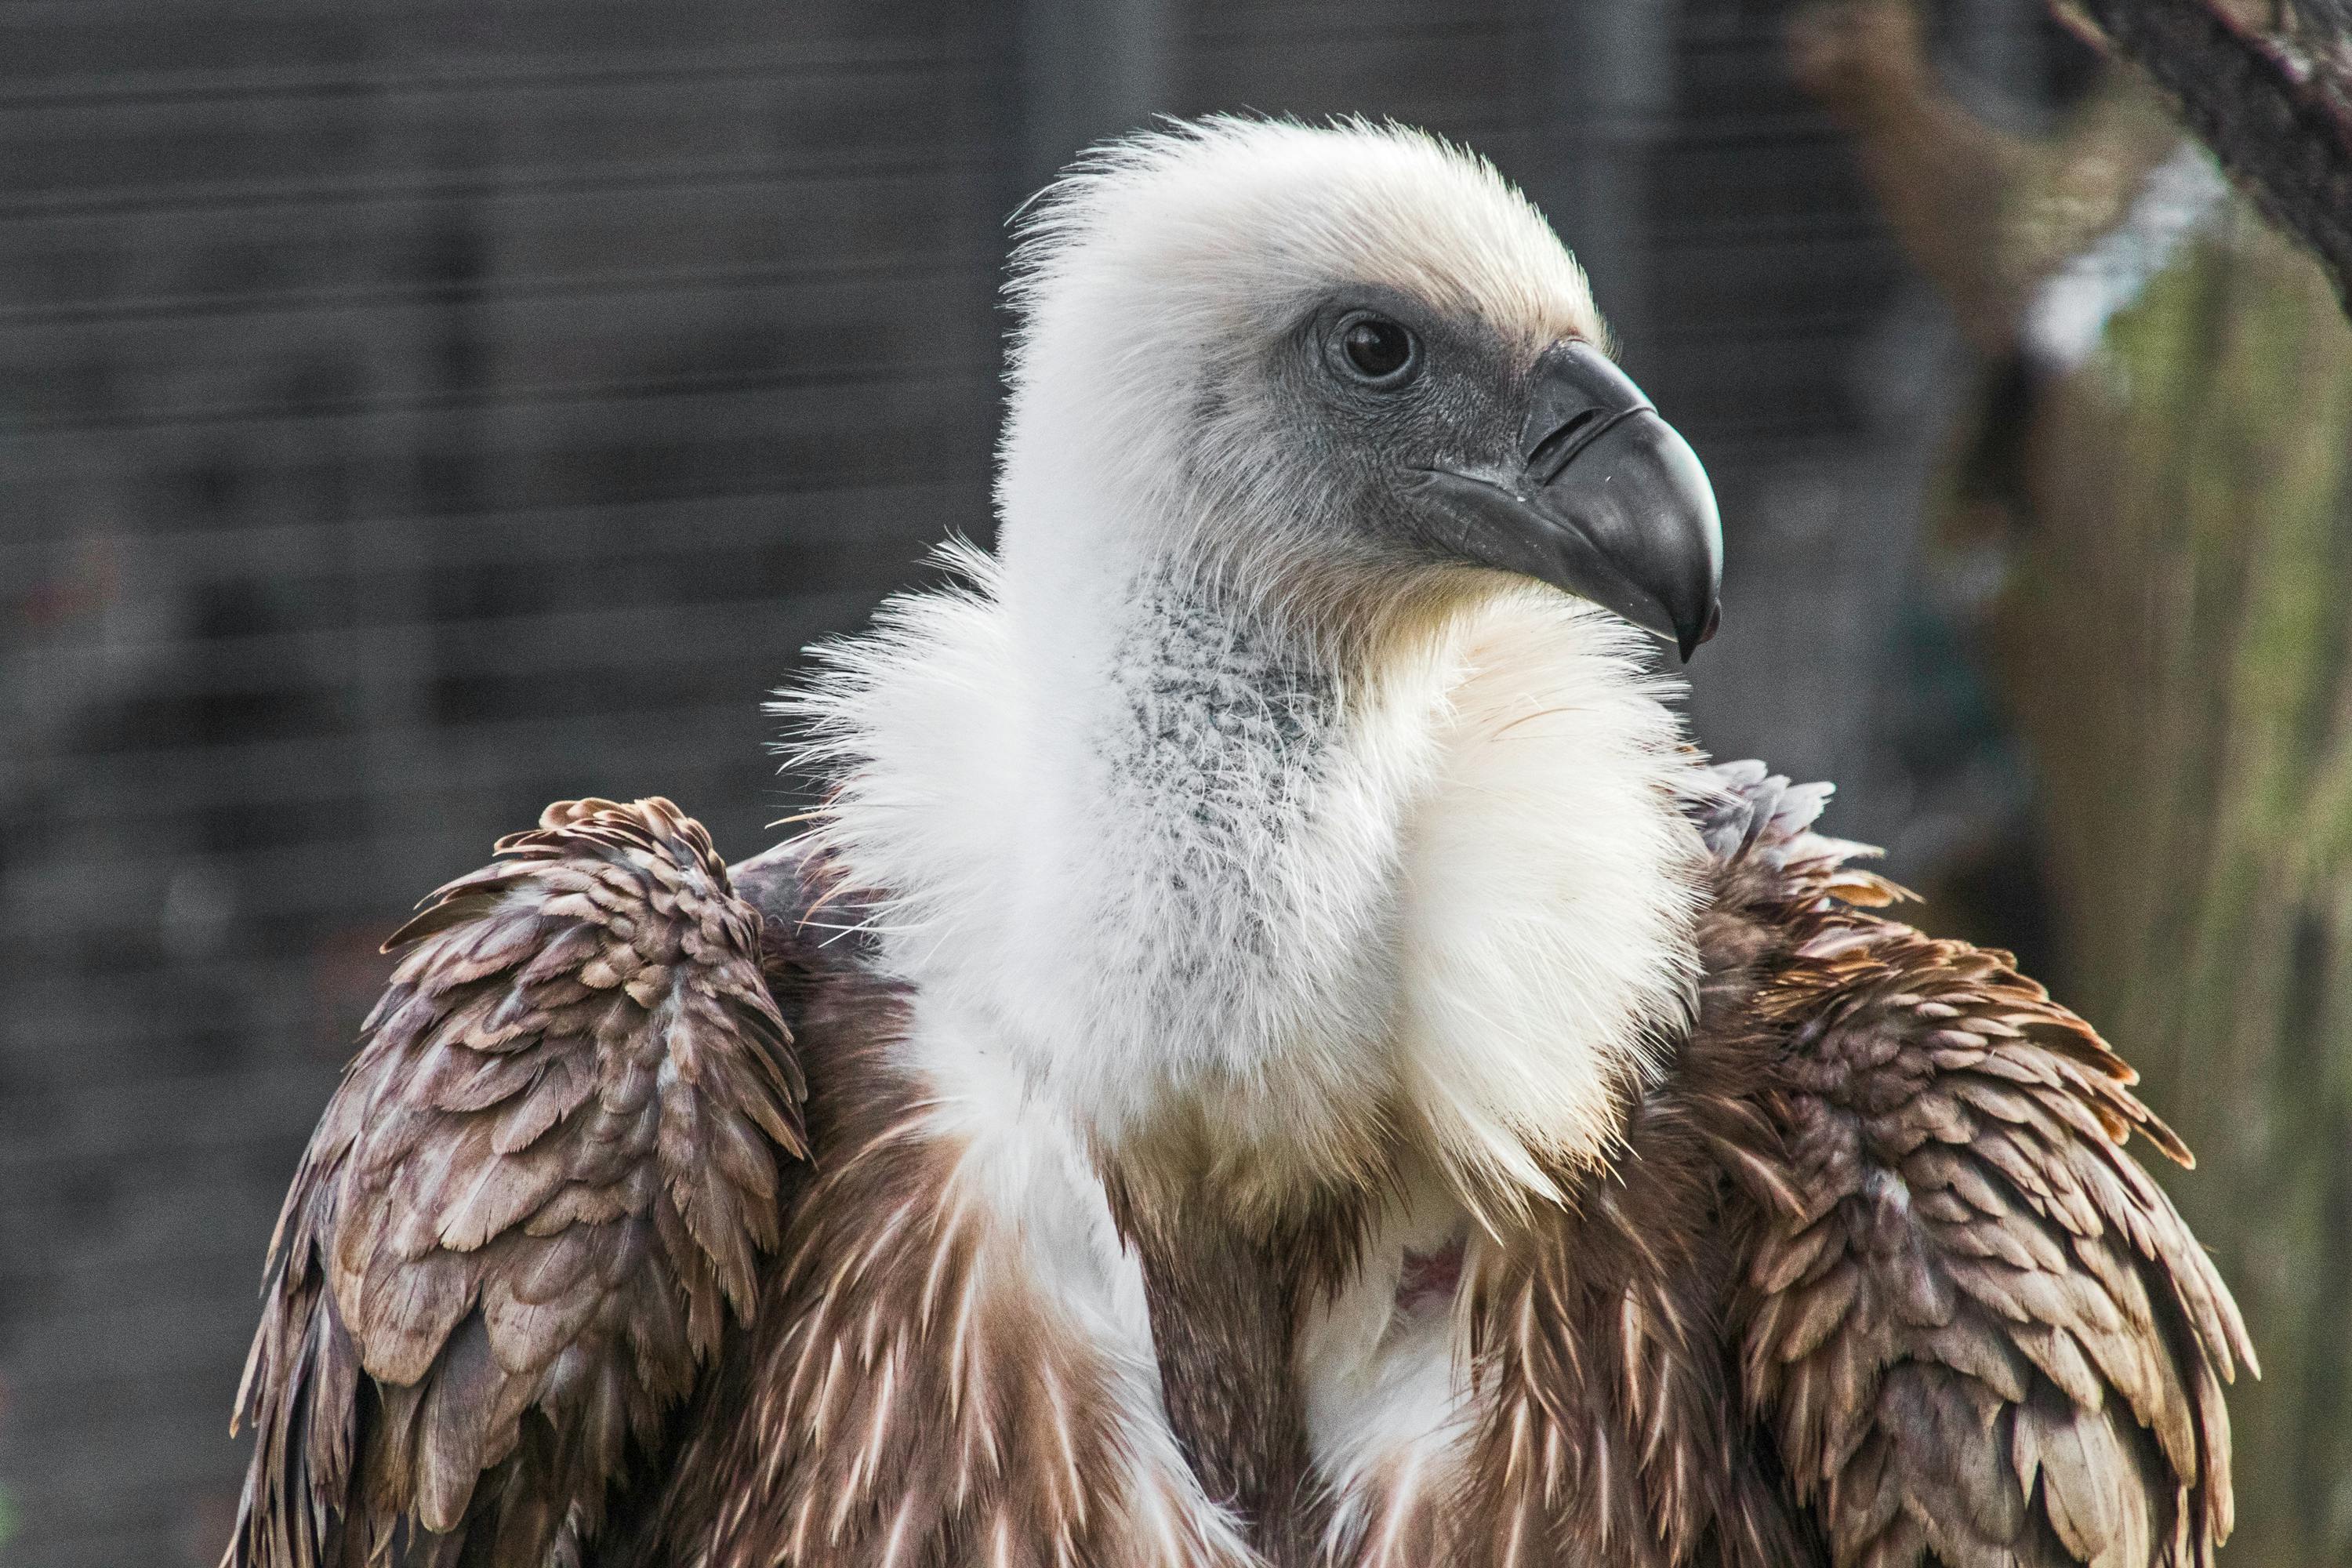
[{"x": 1689, "y": 639}]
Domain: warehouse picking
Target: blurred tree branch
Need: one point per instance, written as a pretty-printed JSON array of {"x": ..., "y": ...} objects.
[
  {"x": 2267, "y": 86},
  {"x": 1988, "y": 214},
  {"x": 2145, "y": 521}
]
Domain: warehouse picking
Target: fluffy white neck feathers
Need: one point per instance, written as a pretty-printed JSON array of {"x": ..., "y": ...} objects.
[{"x": 1185, "y": 880}]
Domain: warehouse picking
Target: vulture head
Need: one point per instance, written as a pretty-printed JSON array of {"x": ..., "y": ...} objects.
[
  {"x": 1294, "y": 775},
  {"x": 1335, "y": 367}
]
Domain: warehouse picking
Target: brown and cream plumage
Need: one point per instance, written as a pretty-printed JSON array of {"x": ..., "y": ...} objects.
[
  {"x": 1274, "y": 1052},
  {"x": 541, "y": 1194}
]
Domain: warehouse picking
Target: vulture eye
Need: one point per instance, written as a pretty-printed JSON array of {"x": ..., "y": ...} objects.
[{"x": 1377, "y": 351}]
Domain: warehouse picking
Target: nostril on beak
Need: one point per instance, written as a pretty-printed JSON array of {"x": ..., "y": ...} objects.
[
  {"x": 1551, "y": 454},
  {"x": 1578, "y": 396}
]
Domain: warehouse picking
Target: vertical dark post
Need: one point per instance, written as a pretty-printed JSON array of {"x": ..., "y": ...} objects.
[
  {"x": 1077, "y": 72},
  {"x": 1088, "y": 70},
  {"x": 1608, "y": 87}
]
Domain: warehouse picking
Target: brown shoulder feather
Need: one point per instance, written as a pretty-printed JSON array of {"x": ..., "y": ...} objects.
[
  {"x": 1976, "y": 1329},
  {"x": 551, "y": 1171},
  {"x": 912, "y": 1397},
  {"x": 1611, "y": 1430}
]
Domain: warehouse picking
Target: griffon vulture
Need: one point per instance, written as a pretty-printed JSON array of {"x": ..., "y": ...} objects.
[{"x": 1275, "y": 1051}]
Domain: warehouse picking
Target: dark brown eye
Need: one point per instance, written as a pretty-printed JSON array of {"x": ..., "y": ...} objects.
[{"x": 1376, "y": 350}]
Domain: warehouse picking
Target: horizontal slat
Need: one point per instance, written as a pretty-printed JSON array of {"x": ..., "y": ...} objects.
[
  {"x": 113, "y": 151},
  {"x": 179, "y": 1411},
  {"x": 621, "y": 645},
  {"x": 295, "y": 1001},
  {"x": 118, "y": 1337},
  {"x": 817, "y": 221},
  {"x": 1724, "y": 180},
  {"x": 1445, "y": 79},
  {"x": 606, "y": 751},
  {"x": 415, "y": 190},
  {"x": 1383, "y": 31},
  {"x": 870, "y": 322},
  {"x": 79, "y": 45},
  {"x": 530, "y": 759},
  {"x": 586, "y": 288},
  {"x": 571, "y": 445},
  {"x": 160, "y": 1117},
  {"x": 200, "y": 1235},
  {"x": 97, "y": 883},
  {"x": 733, "y": 787},
  {"x": 605, "y": 535},
  {"x": 1399, "y": 20},
  {"x": 145, "y": 1524},
  {"x": 386, "y": 70}
]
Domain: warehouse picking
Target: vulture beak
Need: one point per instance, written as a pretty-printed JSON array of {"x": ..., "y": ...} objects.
[{"x": 1607, "y": 502}]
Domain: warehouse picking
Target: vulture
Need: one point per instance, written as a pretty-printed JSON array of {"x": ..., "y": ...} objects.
[{"x": 1274, "y": 1050}]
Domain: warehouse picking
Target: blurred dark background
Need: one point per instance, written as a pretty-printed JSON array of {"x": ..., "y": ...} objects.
[{"x": 414, "y": 411}]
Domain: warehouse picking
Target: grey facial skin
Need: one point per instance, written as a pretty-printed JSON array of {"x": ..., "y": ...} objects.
[
  {"x": 1553, "y": 466},
  {"x": 1603, "y": 498}
]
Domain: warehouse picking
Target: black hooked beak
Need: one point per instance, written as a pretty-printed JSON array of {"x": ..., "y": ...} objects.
[{"x": 1609, "y": 502}]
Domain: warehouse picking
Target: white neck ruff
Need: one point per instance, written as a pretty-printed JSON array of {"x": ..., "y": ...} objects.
[{"x": 1173, "y": 875}]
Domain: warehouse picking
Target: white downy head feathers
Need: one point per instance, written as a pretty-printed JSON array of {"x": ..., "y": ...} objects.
[{"x": 1147, "y": 831}]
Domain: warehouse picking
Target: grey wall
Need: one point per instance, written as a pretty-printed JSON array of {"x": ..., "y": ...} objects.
[{"x": 412, "y": 412}]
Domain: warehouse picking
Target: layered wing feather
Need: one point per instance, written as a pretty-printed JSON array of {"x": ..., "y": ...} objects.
[
  {"x": 1980, "y": 1332},
  {"x": 548, "y": 1177}
]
